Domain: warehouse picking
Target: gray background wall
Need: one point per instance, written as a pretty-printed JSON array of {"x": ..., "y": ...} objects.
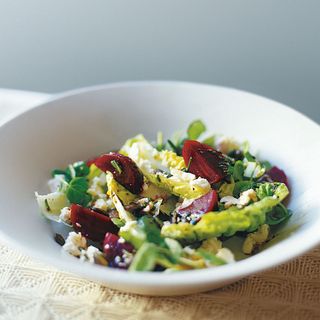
[{"x": 269, "y": 47}]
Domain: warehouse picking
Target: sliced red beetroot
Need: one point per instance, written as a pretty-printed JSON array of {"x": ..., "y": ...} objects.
[
  {"x": 110, "y": 244},
  {"x": 91, "y": 224},
  {"x": 204, "y": 161},
  {"x": 115, "y": 250},
  {"x": 201, "y": 205},
  {"x": 277, "y": 175},
  {"x": 124, "y": 170},
  {"x": 91, "y": 161}
]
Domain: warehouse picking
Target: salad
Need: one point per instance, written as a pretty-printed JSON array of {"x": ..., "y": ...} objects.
[{"x": 167, "y": 206}]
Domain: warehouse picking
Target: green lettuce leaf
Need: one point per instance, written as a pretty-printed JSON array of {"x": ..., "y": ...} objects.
[
  {"x": 227, "y": 222},
  {"x": 195, "y": 129},
  {"x": 51, "y": 204}
]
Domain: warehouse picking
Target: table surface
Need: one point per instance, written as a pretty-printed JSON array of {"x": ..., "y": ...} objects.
[{"x": 30, "y": 289}]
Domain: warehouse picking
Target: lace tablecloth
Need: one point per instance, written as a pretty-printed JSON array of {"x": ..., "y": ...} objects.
[{"x": 32, "y": 290}]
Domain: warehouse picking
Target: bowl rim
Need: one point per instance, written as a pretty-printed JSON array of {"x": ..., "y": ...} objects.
[{"x": 188, "y": 278}]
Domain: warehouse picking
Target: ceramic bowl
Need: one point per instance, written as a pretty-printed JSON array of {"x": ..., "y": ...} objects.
[{"x": 87, "y": 122}]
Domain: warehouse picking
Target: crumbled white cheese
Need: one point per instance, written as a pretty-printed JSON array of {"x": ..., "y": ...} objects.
[
  {"x": 229, "y": 201},
  {"x": 90, "y": 254},
  {"x": 101, "y": 204},
  {"x": 65, "y": 215},
  {"x": 247, "y": 196},
  {"x": 181, "y": 176},
  {"x": 75, "y": 242},
  {"x": 127, "y": 257},
  {"x": 200, "y": 182},
  {"x": 121, "y": 240},
  {"x": 243, "y": 200},
  {"x": 97, "y": 186},
  {"x": 145, "y": 156}
]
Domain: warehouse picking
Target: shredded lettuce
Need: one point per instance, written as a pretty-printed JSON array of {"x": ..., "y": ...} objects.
[
  {"x": 164, "y": 169},
  {"x": 114, "y": 187},
  {"x": 51, "y": 204}
]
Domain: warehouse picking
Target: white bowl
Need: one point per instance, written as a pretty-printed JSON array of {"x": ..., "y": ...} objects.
[{"x": 87, "y": 122}]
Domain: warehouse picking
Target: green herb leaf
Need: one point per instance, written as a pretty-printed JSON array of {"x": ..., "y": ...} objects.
[
  {"x": 278, "y": 214},
  {"x": 242, "y": 186},
  {"x": 266, "y": 164},
  {"x": 151, "y": 230},
  {"x": 116, "y": 165},
  {"x": 80, "y": 169},
  {"x": 249, "y": 156},
  {"x": 238, "y": 171},
  {"x": 55, "y": 172},
  {"x": 47, "y": 205},
  {"x": 177, "y": 148},
  {"x": 195, "y": 129},
  {"x": 76, "y": 191}
]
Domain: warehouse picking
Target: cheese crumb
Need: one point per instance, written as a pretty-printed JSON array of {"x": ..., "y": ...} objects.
[
  {"x": 75, "y": 242},
  {"x": 242, "y": 201},
  {"x": 65, "y": 215}
]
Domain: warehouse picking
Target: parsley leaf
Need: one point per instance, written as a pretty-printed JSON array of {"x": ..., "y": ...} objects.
[
  {"x": 76, "y": 191},
  {"x": 66, "y": 175},
  {"x": 242, "y": 186},
  {"x": 78, "y": 169},
  {"x": 266, "y": 164},
  {"x": 238, "y": 170}
]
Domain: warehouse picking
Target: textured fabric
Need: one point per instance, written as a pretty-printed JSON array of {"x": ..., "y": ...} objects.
[{"x": 32, "y": 290}]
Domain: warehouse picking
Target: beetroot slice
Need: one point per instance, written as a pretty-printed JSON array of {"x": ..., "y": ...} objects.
[
  {"x": 91, "y": 224},
  {"x": 91, "y": 161},
  {"x": 277, "y": 175},
  {"x": 201, "y": 205},
  {"x": 124, "y": 170},
  {"x": 206, "y": 162},
  {"x": 114, "y": 250}
]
